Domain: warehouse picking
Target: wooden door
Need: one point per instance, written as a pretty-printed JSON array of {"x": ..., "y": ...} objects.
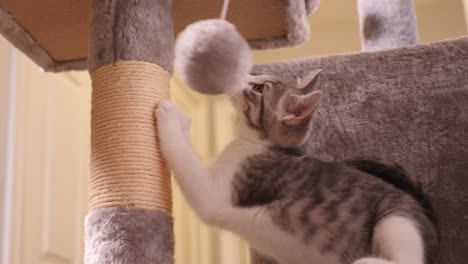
[{"x": 48, "y": 161}]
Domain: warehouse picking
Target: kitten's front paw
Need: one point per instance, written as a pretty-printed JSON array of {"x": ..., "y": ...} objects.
[
  {"x": 173, "y": 127},
  {"x": 371, "y": 260},
  {"x": 169, "y": 116}
]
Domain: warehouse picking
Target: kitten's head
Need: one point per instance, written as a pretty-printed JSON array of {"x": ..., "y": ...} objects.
[{"x": 277, "y": 112}]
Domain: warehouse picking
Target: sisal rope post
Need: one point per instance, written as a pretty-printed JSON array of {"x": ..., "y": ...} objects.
[
  {"x": 131, "y": 54},
  {"x": 127, "y": 167}
]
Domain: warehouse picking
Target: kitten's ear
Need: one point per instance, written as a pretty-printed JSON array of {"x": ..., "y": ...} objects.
[
  {"x": 298, "y": 108},
  {"x": 309, "y": 80}
]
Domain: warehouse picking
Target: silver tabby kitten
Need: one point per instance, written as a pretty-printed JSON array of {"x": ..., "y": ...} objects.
[{"x": 292, "y": 207}]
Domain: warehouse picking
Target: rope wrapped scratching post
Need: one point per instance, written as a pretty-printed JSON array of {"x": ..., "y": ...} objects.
[
  {"x": 127, "y": 168},
  {"x": 130, "y": 62}
]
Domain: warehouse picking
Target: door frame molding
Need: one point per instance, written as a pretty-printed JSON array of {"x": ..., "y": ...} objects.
[{"x": 7, "y": 172}]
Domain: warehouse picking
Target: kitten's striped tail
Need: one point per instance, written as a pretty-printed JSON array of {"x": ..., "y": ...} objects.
[{"x": 396, "y": 176}]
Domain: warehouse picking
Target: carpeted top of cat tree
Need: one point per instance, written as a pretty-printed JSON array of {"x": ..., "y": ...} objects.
[{"x": 54, "y": 33}]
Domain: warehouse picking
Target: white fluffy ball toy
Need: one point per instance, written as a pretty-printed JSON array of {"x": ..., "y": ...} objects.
[{"x": 212, "y": 57}]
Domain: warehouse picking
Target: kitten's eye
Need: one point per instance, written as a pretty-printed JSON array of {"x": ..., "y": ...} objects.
[{"x": 258, "y": 88}]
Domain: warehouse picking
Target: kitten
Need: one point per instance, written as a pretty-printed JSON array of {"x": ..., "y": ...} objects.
[{"x": 291, "y": 207}]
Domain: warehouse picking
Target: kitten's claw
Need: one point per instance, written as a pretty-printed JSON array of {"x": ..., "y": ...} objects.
[{"x": 371, "y": 260}]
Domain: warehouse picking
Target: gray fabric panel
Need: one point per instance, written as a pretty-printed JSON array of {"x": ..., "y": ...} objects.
[
  {"x": 128, "y": 235},
  {"x": 386, "y": 24},
  {"x": 409, "y": 105},
  {"x": 131, "y": 30},
  {"x": 75, "y": 65}
]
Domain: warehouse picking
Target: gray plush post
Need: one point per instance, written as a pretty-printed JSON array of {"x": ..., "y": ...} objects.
[
  {"x": 386, "y": 24},
  {"x": 127, "y": 30}
]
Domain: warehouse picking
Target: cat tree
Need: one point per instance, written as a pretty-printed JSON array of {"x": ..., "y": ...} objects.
[{"x": 404, "y": 103}]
